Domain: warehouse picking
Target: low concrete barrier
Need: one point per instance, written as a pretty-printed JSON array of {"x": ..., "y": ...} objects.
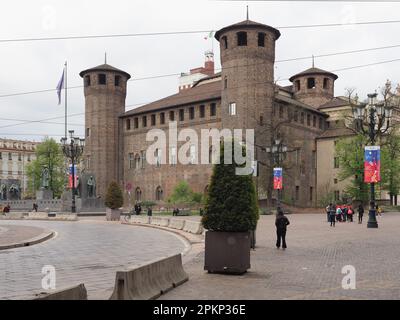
[
  {"x": 14, "y": 215},
  {"x": 66, "y": 216},
  {"x": 150, "y": 280},
  {"x": 38, "y": 215},
  {"x": 140, "y": 219},
  {"x": 193, "y": 227},
  {"x": 159, "y": 221},
  {"x": 176, "y": 224},
  {"x": 72, "y": 293}
]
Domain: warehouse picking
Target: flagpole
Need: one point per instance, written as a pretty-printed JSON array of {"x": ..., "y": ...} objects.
[{"x": 65, "y": 98}]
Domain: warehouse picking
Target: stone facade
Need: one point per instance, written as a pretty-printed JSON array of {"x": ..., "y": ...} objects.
[{"x": 242, "y": 96}]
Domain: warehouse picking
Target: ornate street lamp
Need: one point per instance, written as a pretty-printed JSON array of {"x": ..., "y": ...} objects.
[
  {"x": 372, "y": 119},
  {"x": 278, "y": 154},
  {"x": 73, "y": 151}
]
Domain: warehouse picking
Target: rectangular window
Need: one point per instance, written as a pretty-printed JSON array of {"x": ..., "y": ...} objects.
[
  {"x": 144, "y": 122},
  {"x": 128, "y": 124},
  {"x": 335, "y": 181},
  {"x": 213, "y": 110},
  {"x": 191, "y": 113},
  {"x": 297, "y": 195},
  {"x": 171, "y": 116},
  {"x": 143, "y": 158},
  {"x": 336, "y": 162},
  {"x": 232, "y": 109},
  {"x": 281, "y": 112},
  {"x": 162, "y": 118},
  {"x": 87, "y": 132},
  {"x": 1, "y": 155},
  {"x": 172, "y": 156},
  {"x": 311, "y": 193},
  {"x": 131, "y": 161},
  {"x": 297, "y": 85},
  {"x": 153, "y": 119},
  {"x": 9, "y": 156},
  {"x": 261, "y": 39},
  {"x": 117, "y": 81},
  {"x": 136, "y": 123},
  {"x": 242, "y": 39},
  {"x": 181, "y": 114},
  {"x": 302, "y": 118},
  {"x": 320, "y": 123},
  {"x": 29, "y": 157},
  {"x": 19, "y": 157},
  {"x": 337, "y": 195},
  {"x": 308, "y": 120},
  {"x": 314, "y": 121},
  {"x": 310, "y": 83},
  {"x": 202, "y": 111},
  {"x": 102, "y": 78},
  {"x": 296, "y": 116},
  {"x": 326, "y": 83}
]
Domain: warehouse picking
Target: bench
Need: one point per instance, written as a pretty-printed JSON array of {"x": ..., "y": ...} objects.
[{"x": 182, "y": 213}]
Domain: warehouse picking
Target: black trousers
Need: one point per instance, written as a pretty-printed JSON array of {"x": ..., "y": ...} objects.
[
  {"x": 333, "y": 220},
  {"x": 281, "y": 236},
  {"x": 360, "y": 216}
]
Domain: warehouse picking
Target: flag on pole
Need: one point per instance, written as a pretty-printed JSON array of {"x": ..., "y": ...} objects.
[
  {"x": 278, "y": 178},
  {"x": 372, "y": 164},
  {"x": 74, "y": 171},
  {"x": 210, "y": 35},
  {"x": 60, "y": 86}
]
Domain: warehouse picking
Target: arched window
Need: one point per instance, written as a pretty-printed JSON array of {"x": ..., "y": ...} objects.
[
  {"x": 242, "y": 38},
  {"x": 310, "y": 83},
  {"x": 159, "y": 193},
  {"x": 137, "y": 161},
  {"x": 138, "y": 194}
]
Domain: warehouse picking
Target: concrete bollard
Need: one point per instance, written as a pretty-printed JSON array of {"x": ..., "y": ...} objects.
[
  {"x": 159, "y": 221},
  {"x": 176, "y": 224},
  {"x": 139, "y": 219},
  {"x": 72, "y": 293},
  {"x": 37, "y": 215},
  {"x": 149, "y": 281},
  {"x": 193, "y": 227}
]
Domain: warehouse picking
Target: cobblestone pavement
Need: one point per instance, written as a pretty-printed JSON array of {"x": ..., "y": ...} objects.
[
  {"x": 311, "y": 267},
  {"x": 16, "y": 234},
  {"x": 86, "y": 251}
]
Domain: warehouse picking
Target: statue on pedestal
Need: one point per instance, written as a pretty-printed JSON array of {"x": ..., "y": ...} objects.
[
  {"x": 45, "y": 178},
  {"x": 91, "y": 187}
]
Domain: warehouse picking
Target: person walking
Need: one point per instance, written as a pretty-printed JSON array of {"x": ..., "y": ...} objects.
[
  {"x": 344, "y": 213},
  {"x": 350, "y": 213},
  {"x": 360, "y": 213},
  {"x": 332, "y": 213},
  {"x": 327, "y": 208},
  {"x": 379, "y": 211},
  {"x": 339, "y": 213},
  {"x": 281, "y": 223}
]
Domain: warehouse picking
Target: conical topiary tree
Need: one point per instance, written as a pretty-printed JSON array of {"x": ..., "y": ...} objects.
[
  {"x": 231, "y": 204},
  {"x": 114, "y": 197}
]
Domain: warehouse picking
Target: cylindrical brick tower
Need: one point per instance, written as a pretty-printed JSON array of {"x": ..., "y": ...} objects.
[
  {"x": 248, "y": 90},
  {"x": 314, "y": 86},
  {"x": 247, "y": 60},
  {"x": 105, "y": 93}
]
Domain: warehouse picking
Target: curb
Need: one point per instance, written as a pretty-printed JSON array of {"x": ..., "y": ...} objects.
[{"x": 38, "y": 239}]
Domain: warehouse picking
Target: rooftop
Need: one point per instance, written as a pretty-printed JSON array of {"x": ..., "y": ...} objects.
[
  {"x": 104, "y": 67},
  {"x": 248, "y": 24},
  {"x": 313, "y": 71}
]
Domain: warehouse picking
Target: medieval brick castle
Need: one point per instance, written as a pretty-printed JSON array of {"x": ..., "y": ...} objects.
[{"x": 243, "y": 95}]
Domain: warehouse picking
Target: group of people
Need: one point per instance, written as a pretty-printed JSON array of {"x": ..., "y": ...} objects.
[{"x": 343, "y": 213}]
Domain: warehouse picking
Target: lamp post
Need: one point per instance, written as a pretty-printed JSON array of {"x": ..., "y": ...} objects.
[
  {"x": 278, "y": 155},
  {"x": 73, "y": 151},
  {"x": 372, "y": 119}
]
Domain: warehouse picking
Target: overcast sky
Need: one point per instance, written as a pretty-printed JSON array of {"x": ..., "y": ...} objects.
[{"x": 30, "y": 66}]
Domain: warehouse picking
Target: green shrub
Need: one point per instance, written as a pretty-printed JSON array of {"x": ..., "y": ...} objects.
[
  {"x": 231, "y": 204},
  {"x": 114, "y": 197}
]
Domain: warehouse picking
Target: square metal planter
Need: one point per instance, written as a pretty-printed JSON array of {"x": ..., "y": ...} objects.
[{"x": 227, "y": 252}]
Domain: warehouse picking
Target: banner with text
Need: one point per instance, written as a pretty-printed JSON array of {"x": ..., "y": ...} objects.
[{"x": 75, "y": 172}]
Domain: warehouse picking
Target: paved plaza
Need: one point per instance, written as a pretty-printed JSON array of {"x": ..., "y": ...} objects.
[
  {"x": 88, "y": 251},
  {"x": 311, "y": 266},
  {"x": 91, "y": 250}
]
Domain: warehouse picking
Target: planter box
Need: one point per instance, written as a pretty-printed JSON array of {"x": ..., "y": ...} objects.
[
  {"x": 113, "y": 214},
  {"x": 227, "y": 252}
]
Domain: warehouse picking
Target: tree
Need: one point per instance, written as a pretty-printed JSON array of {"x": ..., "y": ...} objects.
[
  {"x": 183, "y": 195},
  {"x": 231, "y": 204},
  {"x": 350, "y": 152},
  {"x": 390, "y": 157},
  {"x": 49, "y": 155},
  {"x": 114, "y": 197}
]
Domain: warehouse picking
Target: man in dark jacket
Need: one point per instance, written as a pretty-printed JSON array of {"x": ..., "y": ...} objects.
[{"x": 281, "y": 223}]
